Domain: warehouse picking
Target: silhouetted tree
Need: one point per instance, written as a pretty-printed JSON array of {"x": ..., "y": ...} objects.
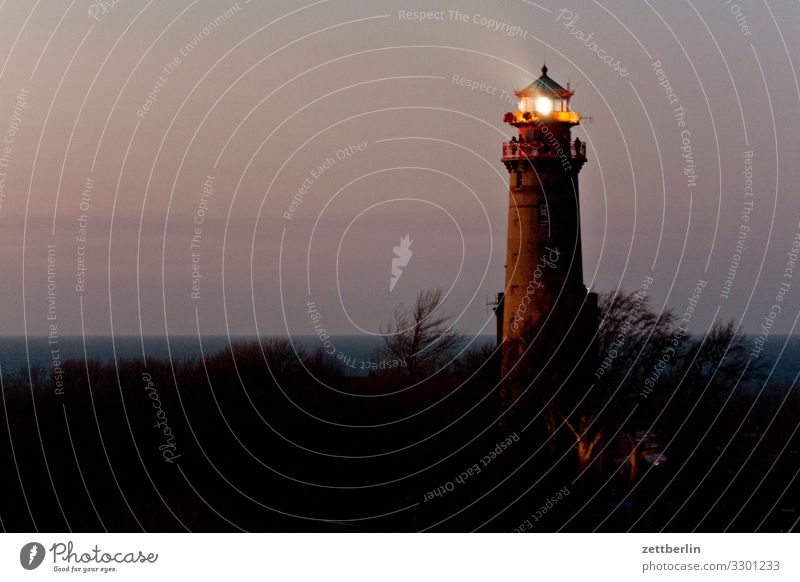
[
  {"x": 643, "y": 358},
  {"x": 421, "y": 336},
  {"x": 478, "y": 362}
]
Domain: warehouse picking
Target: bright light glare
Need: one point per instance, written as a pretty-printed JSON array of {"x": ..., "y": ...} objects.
[{"x": 544, "y": 105}]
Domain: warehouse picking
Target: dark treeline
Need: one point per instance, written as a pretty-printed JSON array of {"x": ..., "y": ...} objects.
[{"x": 259, "y": 439}]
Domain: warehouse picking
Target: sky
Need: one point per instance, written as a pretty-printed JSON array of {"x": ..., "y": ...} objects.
[{"x": 231, "y": 167}]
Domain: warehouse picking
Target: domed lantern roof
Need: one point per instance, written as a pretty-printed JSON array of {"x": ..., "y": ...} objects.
[
  {"x": 544, "y": 86},
  {"x": 544, "y": 95}
]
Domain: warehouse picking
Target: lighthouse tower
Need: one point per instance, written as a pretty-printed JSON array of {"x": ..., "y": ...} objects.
[{"x": 544, "y": 290}]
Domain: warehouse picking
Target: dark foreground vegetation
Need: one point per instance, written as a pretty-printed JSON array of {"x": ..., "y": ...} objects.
[{"x": 258, "y": 439}]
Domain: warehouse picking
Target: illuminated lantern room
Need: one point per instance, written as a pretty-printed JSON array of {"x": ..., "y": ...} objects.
[
  {"x": 543, "y": 121},
  {"x": 542, "y": 101},
  {"x": 544, "y": 96}
]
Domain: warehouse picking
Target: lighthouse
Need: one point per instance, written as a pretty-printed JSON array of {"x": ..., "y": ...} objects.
[{"x": 545, "y": 296}]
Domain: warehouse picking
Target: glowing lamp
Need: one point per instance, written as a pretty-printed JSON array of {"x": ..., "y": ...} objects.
[{"x": 543, "y": 105}]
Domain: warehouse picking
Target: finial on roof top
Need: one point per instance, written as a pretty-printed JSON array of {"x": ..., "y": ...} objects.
[{"x": 544, "y": 69}]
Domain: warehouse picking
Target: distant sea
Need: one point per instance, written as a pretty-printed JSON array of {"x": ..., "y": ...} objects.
[{"x": 14, "y": 359}]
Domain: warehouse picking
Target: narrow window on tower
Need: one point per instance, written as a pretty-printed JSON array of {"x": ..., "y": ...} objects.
[
  {"x": 518, "y": 185},
  {"x": 544, "y": 213}
]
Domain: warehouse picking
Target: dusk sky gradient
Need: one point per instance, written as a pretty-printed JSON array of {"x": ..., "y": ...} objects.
[{"x": 278, "y": 87}]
